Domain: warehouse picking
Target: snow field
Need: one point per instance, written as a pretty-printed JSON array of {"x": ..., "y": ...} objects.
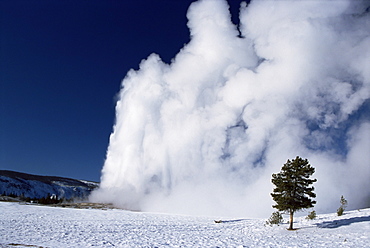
[{"x": 41, "y": 226}]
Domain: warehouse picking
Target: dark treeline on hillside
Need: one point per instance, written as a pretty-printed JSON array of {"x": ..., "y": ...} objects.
[
  {"x": 49, "y": 199},
  {"x": 43, "y": 189}
]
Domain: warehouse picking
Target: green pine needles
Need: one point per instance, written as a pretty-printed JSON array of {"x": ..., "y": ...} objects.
[
  {"x": 343, "y": 205},
  {"x": 293, "y": 190},
  {"x": 312, "y": 215},
  {"x": 275, "y": 219}
]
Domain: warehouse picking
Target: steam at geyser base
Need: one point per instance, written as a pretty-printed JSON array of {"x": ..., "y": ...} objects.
[{"x": 203, "y": 134}]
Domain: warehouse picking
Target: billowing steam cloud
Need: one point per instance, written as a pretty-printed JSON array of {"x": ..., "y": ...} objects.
[{"x": 203, "y": 134}]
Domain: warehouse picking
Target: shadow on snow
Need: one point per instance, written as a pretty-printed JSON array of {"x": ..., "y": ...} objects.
[
  {"x": 343, "y": 222},
  {"x": 228, "y": 221}
]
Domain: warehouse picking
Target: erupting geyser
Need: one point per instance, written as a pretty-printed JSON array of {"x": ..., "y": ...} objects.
[{"x": 203, "y": 134}]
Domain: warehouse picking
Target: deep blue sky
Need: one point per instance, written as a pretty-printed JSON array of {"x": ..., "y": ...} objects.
[{"x": 61, "y": 66}]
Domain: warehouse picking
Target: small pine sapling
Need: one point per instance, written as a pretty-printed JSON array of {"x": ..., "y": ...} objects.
[
  {"x": 343, "y": 205},
  {"x": 275, "y": 219},
  {"x": 312, "y": 215}
]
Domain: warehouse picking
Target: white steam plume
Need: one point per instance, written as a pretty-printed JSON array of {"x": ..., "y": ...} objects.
[{"x": 203, "y": 134}]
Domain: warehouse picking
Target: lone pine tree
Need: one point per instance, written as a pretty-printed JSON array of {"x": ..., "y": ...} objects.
[{"x": 293, "y": 191}]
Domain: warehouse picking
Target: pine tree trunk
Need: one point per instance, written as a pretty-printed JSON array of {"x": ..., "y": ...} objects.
[{"x": 291, "y": 221}]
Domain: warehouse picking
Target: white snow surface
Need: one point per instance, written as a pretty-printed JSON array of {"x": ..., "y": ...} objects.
[{"x": 42, "y": 226}]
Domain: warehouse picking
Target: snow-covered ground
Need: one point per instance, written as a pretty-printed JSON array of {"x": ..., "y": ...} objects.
[{"x": 42, "y": 226}]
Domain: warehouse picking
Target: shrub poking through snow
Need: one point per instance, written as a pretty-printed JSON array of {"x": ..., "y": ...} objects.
[
  {"x": 343, "y": 205},
  {"x": 312, "y": 215},
  {"x": 340, "y": 211},
  {"x": 275, "y": 219}
]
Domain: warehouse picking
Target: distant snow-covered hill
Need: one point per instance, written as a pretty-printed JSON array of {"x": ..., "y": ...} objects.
[{"x": 34, "y": 186}]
